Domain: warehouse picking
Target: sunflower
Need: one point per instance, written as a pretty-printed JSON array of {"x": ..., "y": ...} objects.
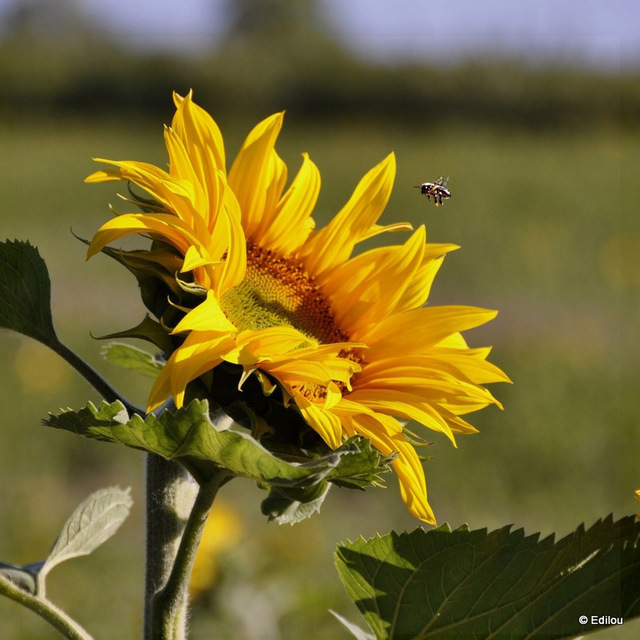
[{"x": 347, "y": 340}]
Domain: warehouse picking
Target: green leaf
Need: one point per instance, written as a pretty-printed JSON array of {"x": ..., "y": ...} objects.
[
  {"x": 93, "y": 522},
  {"x": 204, "y": 441},
  {"x": 360, "y": 468},
  {"x": 474, "y": 584},
  {"x": 289, "y": 506},
  {"x": 129, "y": 357},
  {"x": 25, "y": 292}
]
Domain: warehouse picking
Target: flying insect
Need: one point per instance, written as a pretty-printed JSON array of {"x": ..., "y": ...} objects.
[{"x": 435, "y": 190}]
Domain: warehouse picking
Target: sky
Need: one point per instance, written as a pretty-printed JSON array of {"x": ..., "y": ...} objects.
[{"x": 599, "y": 33}]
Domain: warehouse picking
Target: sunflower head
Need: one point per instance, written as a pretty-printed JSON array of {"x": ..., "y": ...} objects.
[{"x": 297, "y": 335}]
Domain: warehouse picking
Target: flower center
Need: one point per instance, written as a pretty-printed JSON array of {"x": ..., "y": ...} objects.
[{"x": 277, "y": 291}]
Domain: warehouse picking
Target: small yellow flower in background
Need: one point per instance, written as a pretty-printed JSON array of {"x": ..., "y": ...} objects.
[
  {"x": 221, "y": 532},
  {"x": 346, "y": 339},
  {"x": 39, "y": 369},
  {"x": 638, "y": 499}
]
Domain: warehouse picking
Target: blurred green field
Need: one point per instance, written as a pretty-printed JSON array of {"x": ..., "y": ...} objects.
[{"x": 549, "y": 237}]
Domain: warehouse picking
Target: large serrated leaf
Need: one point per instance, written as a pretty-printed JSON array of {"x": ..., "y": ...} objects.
[
  {"x": 474, "y": 584},
  {"x": 93, "y": 522},
  {"x": 25, "y": 292},
  {"x": 204, "y": 441}
]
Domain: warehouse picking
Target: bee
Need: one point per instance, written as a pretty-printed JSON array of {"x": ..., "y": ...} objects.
[{"x": 435, "y": 189}]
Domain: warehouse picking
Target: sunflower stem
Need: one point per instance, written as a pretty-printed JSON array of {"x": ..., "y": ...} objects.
[
  {"x": 175, "y": 595},
  {"x": 175, "y": 521},
  {"x": 170, "y": 496}
]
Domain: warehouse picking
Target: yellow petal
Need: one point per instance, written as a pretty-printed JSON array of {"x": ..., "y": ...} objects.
[
  {"x": 405, "y": 405},
  {"x": 396, "y": 335},
  {"x": 257, "y": 172},
  {"x": 103, "y": 175},
  {"x": 161, "y": 390},
  {"x": 470, "y": 364},
  {"x": 197, "y": 257},
  {"x": 200, "y": 352},
  {"x": 377, "y": 229},
  {"x": 162, "y": 225},
  {"x": 275, "y": 180},
  {"x": 207, "y": 316},
  {"x": 326, "y": 424},
  {"x": 333, "y": 244},
  {"x": 230, "y": 227},
  {"x": 202, "y": 139},
  {"x": 385, "y": 437},
  {"x": 417, "y": 290},
  {"x": 173, "y": 194},
  {"x": 370, "y": 287},
  {"x": 183, "y": 172},
  {"x": 265, "y": 345},
  {"x": 453, "y": 367},
  {"x": 291, "y": 226}
]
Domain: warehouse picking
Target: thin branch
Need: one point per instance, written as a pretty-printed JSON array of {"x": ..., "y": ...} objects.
[
  {"x": 93, "y": 377},
  {"x": 46, "y": 610}
]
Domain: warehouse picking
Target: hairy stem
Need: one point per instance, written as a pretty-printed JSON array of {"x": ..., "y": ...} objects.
[
  {"x": 170, "y": 496},
  {"x": 175, "y": 521},
  {"x": 45, "y": 609},
  {"x": 174, "y": 596}
]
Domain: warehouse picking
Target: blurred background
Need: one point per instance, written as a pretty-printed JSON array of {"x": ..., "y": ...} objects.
[{"x": 532, "y": 109}]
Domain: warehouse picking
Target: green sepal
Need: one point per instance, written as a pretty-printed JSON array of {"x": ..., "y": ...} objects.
[
  {"x": 155, "y": 272},
  {"x": 474, "y": 584},
  {"x": 146, "y": 205},
  {"x": 359, "y": 466},
  {"x": 149, "y": 330},
  {"x": 25, "y": 292},
  {"x": 361, "y": 470},
  {"x": 192, "y": 288},
  {"x": 204, "y": 440}
]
